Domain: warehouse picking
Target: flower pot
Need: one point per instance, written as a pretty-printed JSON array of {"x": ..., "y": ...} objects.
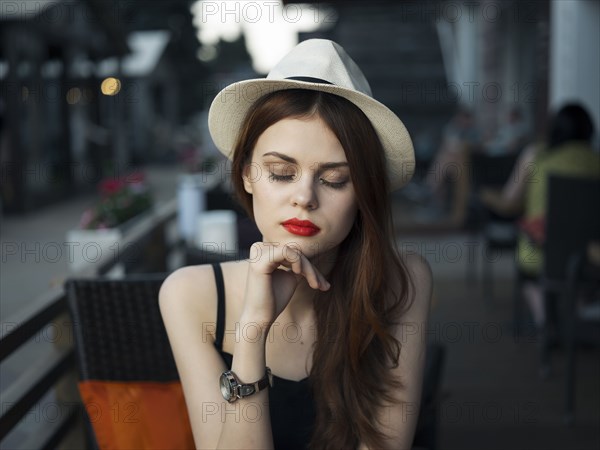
[
  {"x": 216, "y": 232},
  {"x": 191, "y": 199},
  {"x": 90, "y": 247}
]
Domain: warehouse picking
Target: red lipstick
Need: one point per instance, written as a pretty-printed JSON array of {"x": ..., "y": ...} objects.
[{"x": 301, "y": 227}]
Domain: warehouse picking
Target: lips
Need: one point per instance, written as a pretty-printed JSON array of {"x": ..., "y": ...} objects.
[{"x": 301, "y": 227}]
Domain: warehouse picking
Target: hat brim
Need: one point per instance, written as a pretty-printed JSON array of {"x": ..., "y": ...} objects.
[{"x": 230, "y": 107}]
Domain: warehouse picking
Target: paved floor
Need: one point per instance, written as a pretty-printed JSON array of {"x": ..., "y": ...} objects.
[{"x": 493, "y": 397}]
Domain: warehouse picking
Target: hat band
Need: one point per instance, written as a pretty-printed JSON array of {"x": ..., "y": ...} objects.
[{"x": 309, "y": 80}]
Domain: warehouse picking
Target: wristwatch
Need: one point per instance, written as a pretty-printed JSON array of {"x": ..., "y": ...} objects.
[{"x": 232, "y": 388}]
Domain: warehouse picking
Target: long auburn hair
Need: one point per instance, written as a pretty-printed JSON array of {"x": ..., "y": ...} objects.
[{"x": 355, "y": 319}]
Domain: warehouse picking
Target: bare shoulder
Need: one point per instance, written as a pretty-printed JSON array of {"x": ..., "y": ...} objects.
[
  {"x": 421, "y": 286},
  {"x": 189, "y": 291},
  {"x": 419, "y": 269},
  {"x": 189, "y": 295}
]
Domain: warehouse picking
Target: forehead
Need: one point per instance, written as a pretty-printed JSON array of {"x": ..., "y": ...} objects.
[{"x": 302, "y": 139}]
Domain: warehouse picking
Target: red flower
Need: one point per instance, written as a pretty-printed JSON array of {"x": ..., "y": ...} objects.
[{"x": 111, "y": 186}]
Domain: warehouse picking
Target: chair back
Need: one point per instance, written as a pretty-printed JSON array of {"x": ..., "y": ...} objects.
[
  {"x": 118, "y": 329},
  {"x": 572, "y": 220}
]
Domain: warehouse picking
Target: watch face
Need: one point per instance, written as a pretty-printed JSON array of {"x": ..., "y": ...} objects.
[{"x": 226, "y": 389}]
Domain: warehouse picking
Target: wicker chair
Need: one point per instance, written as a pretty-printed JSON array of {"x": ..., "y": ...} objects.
[{"x": 118, "y": 331}]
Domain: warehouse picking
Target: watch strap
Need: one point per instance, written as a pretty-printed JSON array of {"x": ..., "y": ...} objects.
[
  {"x": 238, "y": 390},
  {"x": 248, "y": 389}
]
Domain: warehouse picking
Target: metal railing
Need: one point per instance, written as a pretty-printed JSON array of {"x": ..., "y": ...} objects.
[{"x": 147, "y": 246}]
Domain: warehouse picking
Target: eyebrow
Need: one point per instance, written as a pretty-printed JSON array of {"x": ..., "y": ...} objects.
[{"x": 327, "y": 165}]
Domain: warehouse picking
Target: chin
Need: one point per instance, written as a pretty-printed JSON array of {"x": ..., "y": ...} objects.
[{"x": 313, "y": 248}]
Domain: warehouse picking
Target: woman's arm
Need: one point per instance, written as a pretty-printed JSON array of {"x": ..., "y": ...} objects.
[
  {"x": 399, "y": 420},
  {"x": 188, "y": 303},
  {"x": 514, "y": 190},
  {"x": 189, "y": 315},
  {"x": 509, "y": 201},
  {"x": 268, "y": 291}
]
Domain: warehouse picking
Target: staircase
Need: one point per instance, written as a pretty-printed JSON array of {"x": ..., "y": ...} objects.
[{"x": 398, "y": 50}]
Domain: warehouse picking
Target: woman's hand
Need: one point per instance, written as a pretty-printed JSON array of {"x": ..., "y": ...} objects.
[{"x": 274, "y": 273}]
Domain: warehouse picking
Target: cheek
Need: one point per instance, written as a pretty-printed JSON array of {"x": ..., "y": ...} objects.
[
  {"x": 345, "y": 214},
  {"x": 348, "y": 207},
  {"x": 349, "y": 216},
  {"x": 264, "y": 203}
]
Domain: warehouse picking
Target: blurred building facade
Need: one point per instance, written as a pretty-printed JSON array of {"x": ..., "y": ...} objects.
[
  {"x": 48, "y": 52},
  {"x": 90, "y": 89},
  {"x": 423, "y": 59},
  {"x": 61, "y": 134}
]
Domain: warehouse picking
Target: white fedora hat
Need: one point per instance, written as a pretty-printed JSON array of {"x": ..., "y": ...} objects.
[{"x": 317, "y": 65}]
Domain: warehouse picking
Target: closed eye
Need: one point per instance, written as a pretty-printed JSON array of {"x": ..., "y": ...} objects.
[
  {"x": 276, "y": 177},
  {"x": 333, "y": 184}
]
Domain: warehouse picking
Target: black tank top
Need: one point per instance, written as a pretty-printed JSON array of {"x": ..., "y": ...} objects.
[{"x": 290, "y": 402}]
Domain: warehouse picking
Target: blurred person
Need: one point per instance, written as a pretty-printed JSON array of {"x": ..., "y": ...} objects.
[
  {"x": 510, "y": 137},
  {"x": 566, "y": 152},
  {"x": 314, "y": 160},
  {"x": 509, "y": 201},
  {"x": 459, "y": 136},
  {"x": 448, "y": 178},
  {"x": 569, "y": 153}
]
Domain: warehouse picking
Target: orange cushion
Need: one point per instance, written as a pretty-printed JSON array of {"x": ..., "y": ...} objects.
[{"x": 137, "y": 415}]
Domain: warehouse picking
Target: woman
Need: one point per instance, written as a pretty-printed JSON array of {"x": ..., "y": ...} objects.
[
  {"x": 567, "y": 151},
  {"x": 323, "y": 297}
]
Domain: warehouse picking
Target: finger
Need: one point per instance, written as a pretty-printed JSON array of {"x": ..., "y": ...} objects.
[
  {"x": 267, "y": 257},
  {"x": 271, "y": 256},
  {"x": 293, "y": 258},
  {"x": 323, "y": 283},
  {"x": 300, "y": 265},
  {"x": 312, "y": 275}
]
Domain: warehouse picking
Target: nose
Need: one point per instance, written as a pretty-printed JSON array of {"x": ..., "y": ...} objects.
[{"x": 304, "y": 194}]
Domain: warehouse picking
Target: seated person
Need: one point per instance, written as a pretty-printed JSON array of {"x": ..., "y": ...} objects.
[
  {"x": 567, "y": 152},
  {"x": 458, "y": 136},
  {"x": 448, "y": 177},
  {"x": 509, "y": 201},
  {"x": 510, "y": 137}
]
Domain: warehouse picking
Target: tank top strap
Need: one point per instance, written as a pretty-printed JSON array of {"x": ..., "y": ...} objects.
[{"x": 220, "y": 331}]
